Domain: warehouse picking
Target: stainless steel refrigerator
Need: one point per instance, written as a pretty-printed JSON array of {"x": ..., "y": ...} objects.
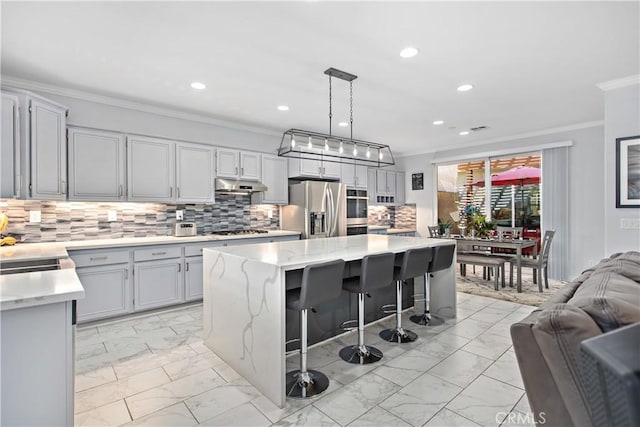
[{"x": 317, "y": 209}]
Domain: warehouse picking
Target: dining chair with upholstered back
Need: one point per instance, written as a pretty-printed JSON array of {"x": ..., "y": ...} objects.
[{"x": 539, "y": 264}]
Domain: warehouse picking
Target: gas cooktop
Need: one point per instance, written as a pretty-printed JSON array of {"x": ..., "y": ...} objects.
[{"x": 235, "y": 232}]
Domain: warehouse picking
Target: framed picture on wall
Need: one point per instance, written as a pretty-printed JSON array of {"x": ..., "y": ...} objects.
[
  {"x": 417, "y": 181},
  {"x": 628, "y": 172}
]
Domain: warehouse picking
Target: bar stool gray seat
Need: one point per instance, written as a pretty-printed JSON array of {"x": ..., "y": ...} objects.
[
  {"x": 376, "y": 272},
  {"x": 320, "y": 283},
  {"x": 413, "y": 263},
  {"x": 442, "y": 259}
]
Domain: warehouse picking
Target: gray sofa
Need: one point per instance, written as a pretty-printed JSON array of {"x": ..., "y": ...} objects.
[{"x": 547, "y": 342}]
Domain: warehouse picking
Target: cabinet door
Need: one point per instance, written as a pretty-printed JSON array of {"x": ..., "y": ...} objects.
[
  {"x": 96, "y": 165},
  {"x": 48, "y": 151},
  {"x": 151, "y": 169},
  {"x": 361, "y": 176},
  {"x": 371, "y": 185},
  {"x": 250, "y": 166},
  {"x": 331, "y": 170},
  {"x": 400, "y": 188},
  {"x": 391, "y": 182},
  {"x": 194, "y": 173},
  {"x": 348, "y": 174},
  {"x": 381, "y": 181},
  {"x": 274, "y": 176},
  {"x": 193, "y": 278},
  {"x": 107, "y": 292},
  {"x": 310, "y": 167},
  {"x": 227, "y": 163},
  {"x": 157, "y": 283},
  {"x": 9, "y": 147}
]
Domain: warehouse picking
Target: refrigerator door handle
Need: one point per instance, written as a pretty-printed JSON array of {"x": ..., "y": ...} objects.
[
  {"x": 333, "y": 214},
  {"x": 327, "y": 212}
]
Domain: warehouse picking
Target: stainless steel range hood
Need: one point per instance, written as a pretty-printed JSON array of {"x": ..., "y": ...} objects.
[{"x": 235, "y": 186}]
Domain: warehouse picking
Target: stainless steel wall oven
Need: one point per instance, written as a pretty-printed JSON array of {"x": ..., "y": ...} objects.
[{"x": 357, "y": 207}]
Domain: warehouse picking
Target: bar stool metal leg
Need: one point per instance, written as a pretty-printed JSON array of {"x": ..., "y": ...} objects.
[
  {"x": 398, "y": 334},
  {"x": 305, "y": 383},
  {"x": 361, "y": 354},
  {"x": 426, "y": 318}
]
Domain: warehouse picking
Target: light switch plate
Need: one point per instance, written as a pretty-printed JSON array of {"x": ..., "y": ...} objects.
[
  {"x": 112, "y": 215},
  {"x": 179, "y": 214},
  {"x": 269, "y": 213},
  {"x": 630, "y": 223},
  {"x": 35, "y": 216}
]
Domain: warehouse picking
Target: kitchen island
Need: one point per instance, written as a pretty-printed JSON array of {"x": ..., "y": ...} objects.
[{"x": 244, "y": 297}]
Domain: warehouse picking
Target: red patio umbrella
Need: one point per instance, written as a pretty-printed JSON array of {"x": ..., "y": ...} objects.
[{"x": 520, "y": 175}]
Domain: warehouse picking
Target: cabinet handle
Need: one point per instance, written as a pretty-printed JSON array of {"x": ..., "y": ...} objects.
[
  {"x": 64, "y": 187},
  {"x": 158, "y": 253},
  {"x": 120, "y": 191},
  {"x": 186, "y": 267},
  {"x": 178, "y": 191},
  {"x": 179, "y": 267},
  {"x": 170, "y": 191},
  {"x": 236, "y": 170},
  {"x": 241, "y": 171},
  {"x": 126, "y": 274},
  {"x": 97, "y": 258}
]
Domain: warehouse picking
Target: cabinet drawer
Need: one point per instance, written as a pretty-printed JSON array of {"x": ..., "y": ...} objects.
[
  {"x": 83, "y": 259},
  {"x": 196, "y": 250},
  {"x": 158, "y": 252}
]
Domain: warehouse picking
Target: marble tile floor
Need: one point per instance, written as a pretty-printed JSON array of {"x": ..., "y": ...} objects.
[{"x": 155, "y": 370}]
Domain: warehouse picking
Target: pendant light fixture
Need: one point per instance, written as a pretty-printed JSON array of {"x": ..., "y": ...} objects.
[{"x": 335, "y": 148}]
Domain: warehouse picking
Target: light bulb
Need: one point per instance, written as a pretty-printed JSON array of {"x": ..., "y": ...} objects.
[
  {"x": 355, "y": 150},
  {"x": 326, "y": 145},
  {"x": 380, "y": 155},
  {"x": 368, "y": 153},
  {"x": 309, "y": 145},
  {"x": 341, "y": 148},
  {"x": 293, "y": 142}
]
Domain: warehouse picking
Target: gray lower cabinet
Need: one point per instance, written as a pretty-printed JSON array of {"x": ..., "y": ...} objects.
[
  {"x": 108, "y": 292},
  {"x": 193, "y": 278},
  {"x": 157, "y": 283}
]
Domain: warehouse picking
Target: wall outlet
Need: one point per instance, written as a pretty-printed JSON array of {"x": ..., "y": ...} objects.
[
  {"x": 388, "y": 216},
  {"x": 35, "y": 216},
  {"x": 379, "y": 217},
  {"x": 270, "y": 213},
  {"x": 179, "y": 215},
  {"x": 112, "y": 215},
  {"x": 630, "y": 223}
]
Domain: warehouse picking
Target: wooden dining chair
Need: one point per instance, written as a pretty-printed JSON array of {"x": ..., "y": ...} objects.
[{"x": 539, "y": 264}]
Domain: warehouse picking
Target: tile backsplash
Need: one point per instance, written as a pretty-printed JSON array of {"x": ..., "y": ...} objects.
[
  {"x": 392, "y": 216},
  {"x": 63, "y": 221}
]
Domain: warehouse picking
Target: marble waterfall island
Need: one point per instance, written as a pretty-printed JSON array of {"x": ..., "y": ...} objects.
[{"x": 244, "y": 297}]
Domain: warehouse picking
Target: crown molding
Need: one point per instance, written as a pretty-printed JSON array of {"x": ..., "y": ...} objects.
[
  {"x": 17, "y": 83},
  {"x": 577, "y": 126},
  {"x": 619, "y": 83}
]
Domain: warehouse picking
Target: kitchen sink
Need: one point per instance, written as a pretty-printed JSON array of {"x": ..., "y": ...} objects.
[{"x": 29, "y": 266}]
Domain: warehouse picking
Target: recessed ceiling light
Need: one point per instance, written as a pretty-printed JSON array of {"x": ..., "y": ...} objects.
[
  {"x": 465, "y": 87},
  {"x": 283, "y": 107},
  {"x": 438, "y": 122},
  {"x": 464, "y": 132},
  {"x": 198, "y": 85},
  {"x": 408, "y": 52},
  {"x": 343, "y": 124}
]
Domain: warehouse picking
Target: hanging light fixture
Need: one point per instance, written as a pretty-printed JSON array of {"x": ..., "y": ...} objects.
[{"x": 384, "y": 158}]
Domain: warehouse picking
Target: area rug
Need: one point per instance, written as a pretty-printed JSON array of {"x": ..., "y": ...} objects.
[{"x": 473, "y": 283}]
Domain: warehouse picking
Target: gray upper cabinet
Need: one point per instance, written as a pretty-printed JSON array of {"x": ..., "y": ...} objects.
[
  {"x": 400, "y": 188},
  {"x": 195, "y": 173},
  {"x": 48, "y": 151},
  {"x": 237, "y": 164},
  {"x": 151, "y": 169},
  {"x": 96, "y": 165},
  {"x": 299, "y": 168},
  {"x": 10, "y": 147},
  {"x": 354, "y": 175},
  {"x": 274, "y": 176}
]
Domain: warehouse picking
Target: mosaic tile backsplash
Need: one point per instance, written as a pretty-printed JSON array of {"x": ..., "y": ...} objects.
[
  {"x": 392, "y": 216},
  {"x": 62, "y": 221}
]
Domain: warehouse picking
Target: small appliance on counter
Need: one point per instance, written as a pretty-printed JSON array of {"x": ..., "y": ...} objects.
[{"x": 184, "y": 229}]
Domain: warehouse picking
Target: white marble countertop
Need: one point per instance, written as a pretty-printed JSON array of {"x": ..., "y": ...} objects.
[
  {"x": 36, "y": 288},
  {"x": 292, "y": 255},
  {"x": 400, "y": 230}
]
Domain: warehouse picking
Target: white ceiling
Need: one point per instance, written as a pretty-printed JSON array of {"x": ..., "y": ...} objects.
[{"x": 535, "y": 66}]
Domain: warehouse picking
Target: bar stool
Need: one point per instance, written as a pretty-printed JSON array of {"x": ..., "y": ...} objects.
[
  {"x": 320, "y": 283},
  {"x": 376, "y": 272},
  {"x": 442, "y": 259},
  {"x": 414, "y": 263}
]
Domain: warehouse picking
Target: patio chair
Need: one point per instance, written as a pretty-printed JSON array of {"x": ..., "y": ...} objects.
[{"x": 539, "y": 264}]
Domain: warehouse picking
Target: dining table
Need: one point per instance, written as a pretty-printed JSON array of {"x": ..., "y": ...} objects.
[{"x": 516, "y": 244}]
